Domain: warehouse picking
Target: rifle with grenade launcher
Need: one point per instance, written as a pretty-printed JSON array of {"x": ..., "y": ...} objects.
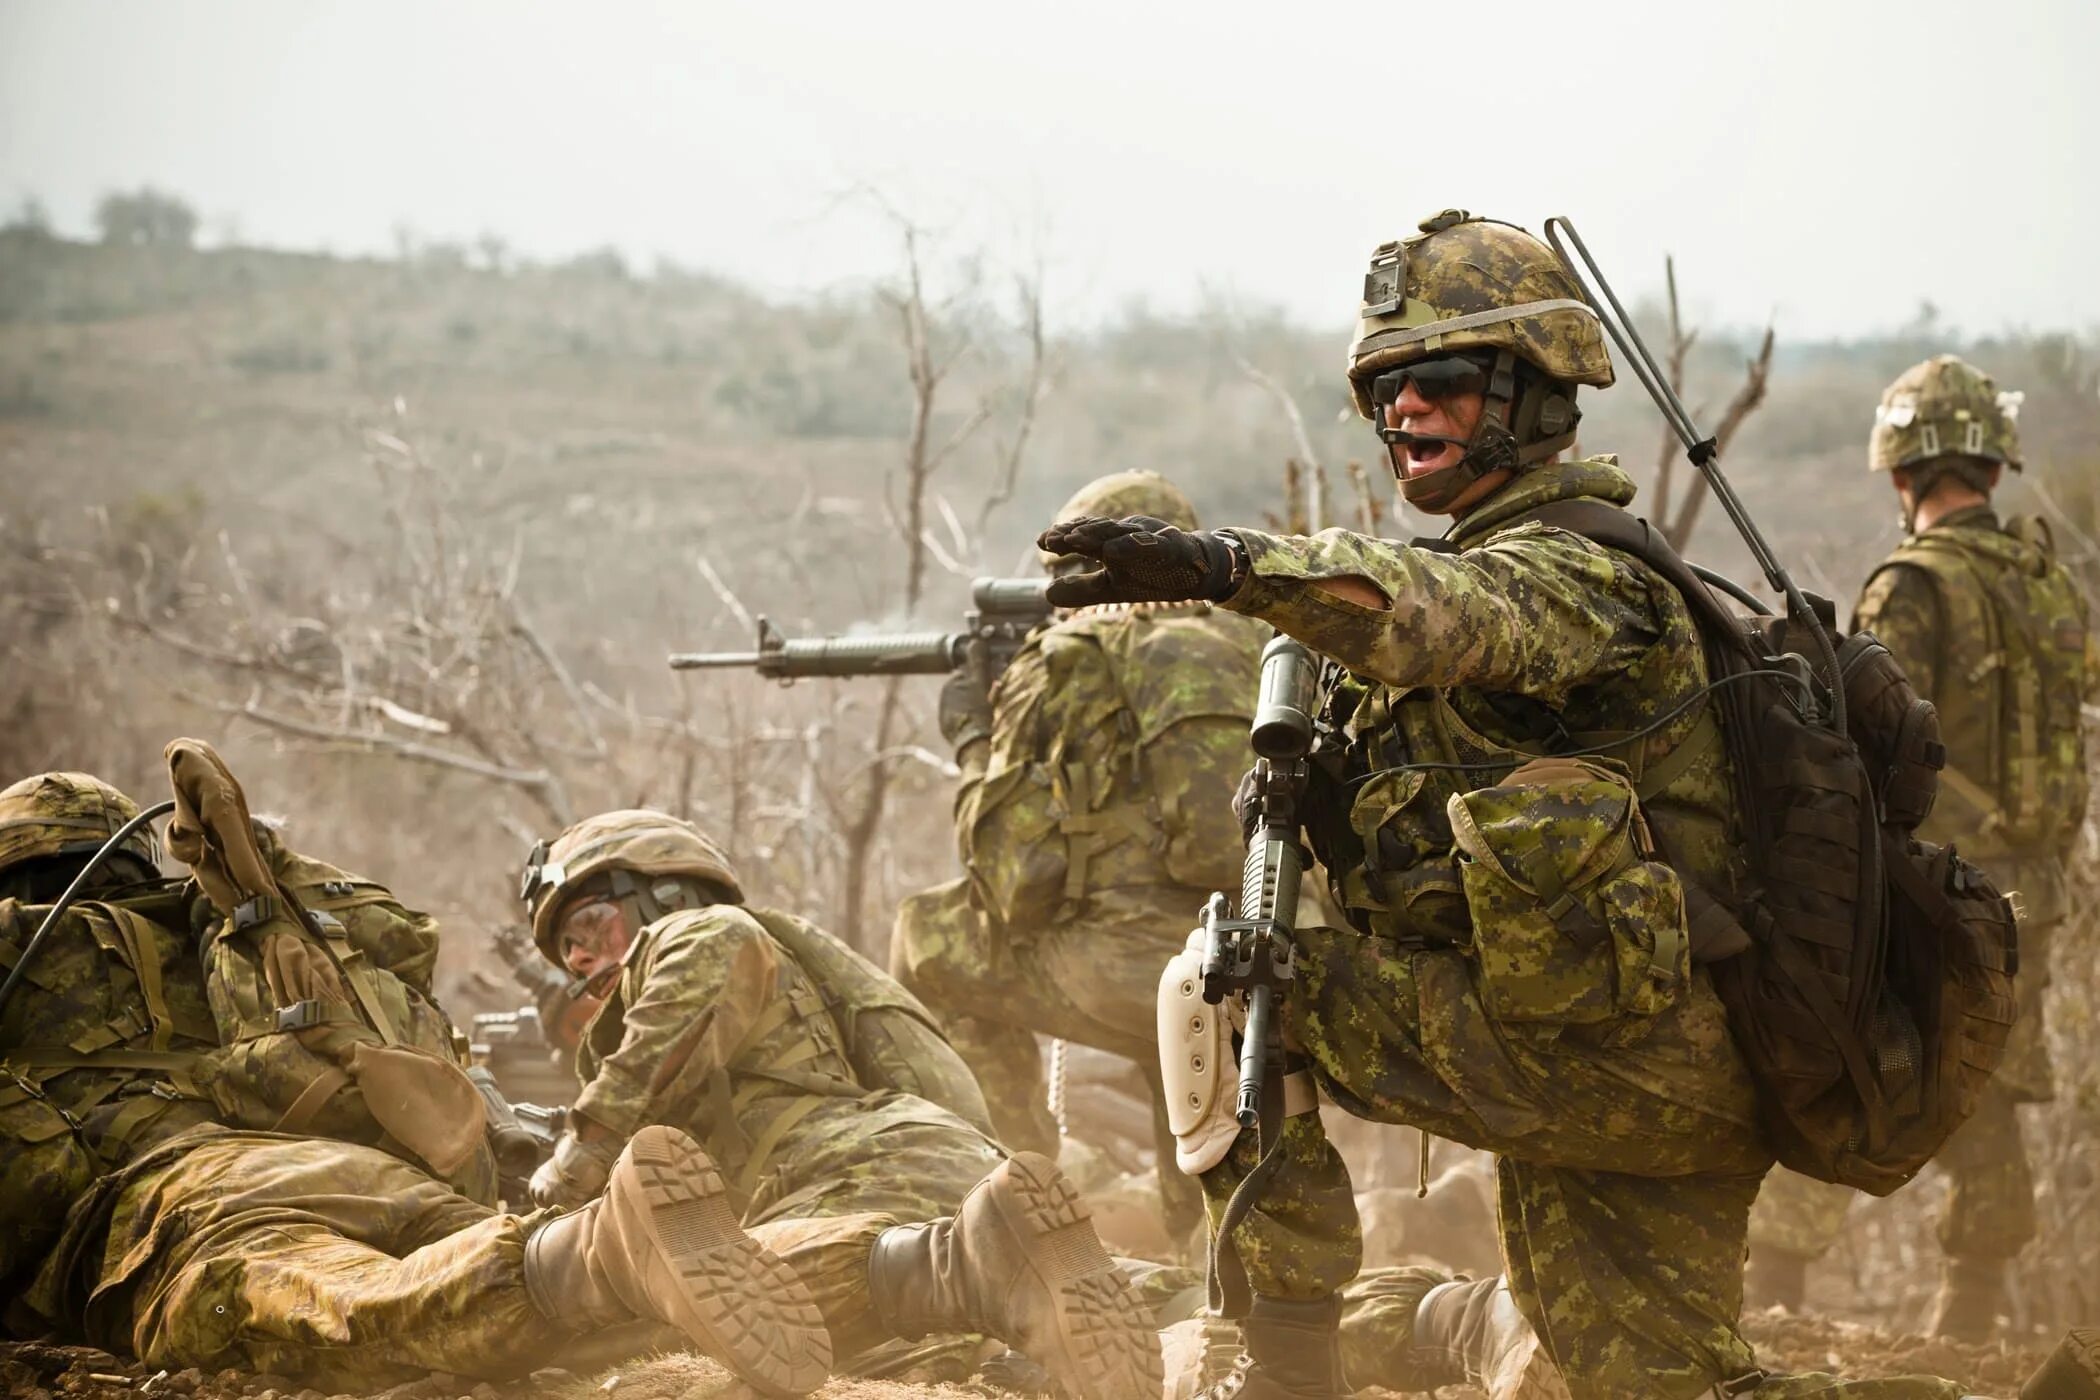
[{"x": 1003, "y": 612}]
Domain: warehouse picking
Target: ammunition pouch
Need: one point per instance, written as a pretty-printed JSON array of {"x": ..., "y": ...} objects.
[{"x": 1574, "y": 920}]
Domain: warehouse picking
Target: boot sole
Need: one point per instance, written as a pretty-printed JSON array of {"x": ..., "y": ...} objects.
[
  {"x": 1110, "y": 1350},
  {"x": 743, "y": 1304}
]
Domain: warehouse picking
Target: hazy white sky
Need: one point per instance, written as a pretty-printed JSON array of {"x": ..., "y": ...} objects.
[{"x": 1835, "y": 161}]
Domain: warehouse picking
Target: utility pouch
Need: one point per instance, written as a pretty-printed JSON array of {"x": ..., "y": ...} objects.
[{"x": 1574, "y": 920}]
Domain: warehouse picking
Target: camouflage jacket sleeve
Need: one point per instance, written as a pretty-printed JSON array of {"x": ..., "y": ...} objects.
[
  {"x": 1899, "y": 606},
  {"x": 696, "y": 984},
  {"x": 1534, "y": 609}
]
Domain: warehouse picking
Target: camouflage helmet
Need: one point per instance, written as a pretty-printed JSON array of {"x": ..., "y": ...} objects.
[
  {"x": 68, "y": 814},
  {"x": 637, "y": 842},
  {"x": 1945, "y": 407},
  {"x": 1126, "y": 493},
  {"x": 1463, "y": 283}
]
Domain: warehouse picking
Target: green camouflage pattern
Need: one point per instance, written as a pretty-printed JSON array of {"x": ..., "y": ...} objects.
[
  {"x": 51, "y": 814},
  {"x": 1944, "y": 407},
  {"x": 1092, "y": 826},
  {"x": 63, "y": 1124},
  {"x": 1529, "y": 639},
  {"x": 1630, "y": 1147},
  {"x": 716, "y": 1029},
  {"x": 1457, "y": 265},
  {"x": 341, "y": 1265},
  {"x": 1995, "y": 632},
  {"x": 1555, "y": 860}
]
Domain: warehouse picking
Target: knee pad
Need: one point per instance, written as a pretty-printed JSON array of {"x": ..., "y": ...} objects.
[{"x": 1199, "y": 1068}]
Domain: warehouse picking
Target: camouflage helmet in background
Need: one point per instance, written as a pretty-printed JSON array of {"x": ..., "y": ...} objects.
[
  {"x": 636, "y": 843},
  {"x": 1945, "y": 407},
  {"x": 1463, "y": 283},
  {"x": 1125, "y": 493},
  {"x": 69, "y": 814}
]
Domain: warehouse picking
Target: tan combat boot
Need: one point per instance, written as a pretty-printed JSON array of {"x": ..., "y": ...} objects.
[
  {"x": 1473, "y": 1330},
  {"x": 1971, "y": 1297},
  {"x": 1021, "y": 1262},
  {"x": 663, "y": 1242}
]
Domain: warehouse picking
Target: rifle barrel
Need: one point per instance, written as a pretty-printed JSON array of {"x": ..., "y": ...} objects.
[{"x": 709, "y": 660}]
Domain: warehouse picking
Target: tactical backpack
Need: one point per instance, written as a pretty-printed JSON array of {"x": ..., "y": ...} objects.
[
  {"x": 2020, "y": 778},
  {"x": 281, "y": 1067},
  {"x": 891, "y": 1039},
  {"x": 1872, "y": 994},
  {"x": 1149, "y": 809}
]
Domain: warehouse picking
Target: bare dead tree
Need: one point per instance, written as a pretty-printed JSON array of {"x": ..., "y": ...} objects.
[
  {"x": 1313, "y": 514},
  {"x": 1369, "y": 511},
  {"x": 1678, "y": 527},
  {"x": 1038, "y": 382},
  {"x": 928, "y": 366}
]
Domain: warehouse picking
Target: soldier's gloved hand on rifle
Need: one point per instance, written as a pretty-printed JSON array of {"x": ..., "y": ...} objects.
[
  {"x": 574, "y": 1174},
  {"x": 1143, "y": 560},
  {"x": 966, "y": 700}
]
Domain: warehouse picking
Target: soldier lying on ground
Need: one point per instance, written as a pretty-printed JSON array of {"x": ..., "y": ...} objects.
[
  {"x": 136, "y": 1219},
  {"x": 1092, "y": 821},
  {"x": 855, "y": 1140}
]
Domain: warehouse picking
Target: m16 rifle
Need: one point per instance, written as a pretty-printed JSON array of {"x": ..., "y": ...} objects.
[
  {"x": 1253, "y": 955},
  {"x": 1003, "y": 612}
]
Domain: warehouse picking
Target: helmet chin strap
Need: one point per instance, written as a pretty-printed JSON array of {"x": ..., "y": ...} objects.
[{"x": 1492, "y": 446}]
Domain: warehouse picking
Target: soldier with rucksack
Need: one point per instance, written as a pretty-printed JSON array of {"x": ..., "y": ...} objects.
[
  {"x": 150, "y": 1208},
  {"x": 1614, "y": 867},
  {"x": 1091, "y": 822},
  {"x": 855, "y": 1140},
  {"x": 1991, "y": 627}
]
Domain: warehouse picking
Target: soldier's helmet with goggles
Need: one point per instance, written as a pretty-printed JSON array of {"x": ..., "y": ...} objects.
[
  {"x": 1944, "y": 408},
  {"x": 1120, "y": 494},
  {"x": 1476, "y": 305},
  {"x": 636, "y": 849},
  {"x": 58, "y": 820}
]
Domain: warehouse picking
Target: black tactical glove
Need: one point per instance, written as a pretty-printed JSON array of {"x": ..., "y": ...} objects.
[{"x": 1143, "y": 560}]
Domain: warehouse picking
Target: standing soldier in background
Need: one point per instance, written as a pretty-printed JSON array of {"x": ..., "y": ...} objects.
[
  {"x": 1093, "y": 821},
  {"x": 1992, "y": 629}
]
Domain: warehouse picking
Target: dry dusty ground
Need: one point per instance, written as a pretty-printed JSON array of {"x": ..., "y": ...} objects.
[{"x": 32, "y": 1371}]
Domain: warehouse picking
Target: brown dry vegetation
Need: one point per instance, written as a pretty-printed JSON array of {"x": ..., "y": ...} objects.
[{"x": 408, "y": 539}]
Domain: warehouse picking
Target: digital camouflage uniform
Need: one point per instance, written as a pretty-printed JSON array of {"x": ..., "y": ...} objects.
[
  {"x": 1517, "y": 973},
  {"x": 1092, "y": 824},
  {"x": 1993, "y": 630}
]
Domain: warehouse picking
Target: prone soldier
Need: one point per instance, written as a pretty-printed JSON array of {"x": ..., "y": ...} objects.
[
  {"x": 856, "y": 1141},
  {"x": 140, "y": 1216}
]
